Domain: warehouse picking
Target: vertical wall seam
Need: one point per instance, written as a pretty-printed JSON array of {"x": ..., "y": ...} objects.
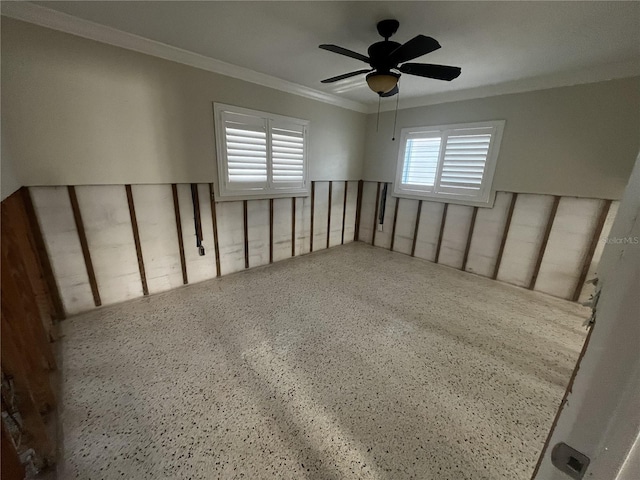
[
  {"x": 329, "y": 213},
  {"x": 375, "y": 215},
  {"x": 442, "y": 223},
  {"x": 176, "y": 210},
  {"x": 356, "y": 234},
  {"x": 469, "y": 237},
  {"x": 415, "y": 229},
  {"x": 588, "y": 257},
  {"x": 293, "y": 226},
  {"x": 545, "y": 240},
  {"x": 43, "y": 255},
  {"x": 77, "y": 217},
  {"x": 313, "y": 201},
  {"x": 214, "y": 222},
  {"x": 271, "y": 230},
  {"x": 344, "y": 210},
  {"x": 136, "y": 239},
  {"x": 246, "y": 233},
  {"x": 393, "y": 229},
  {"x": 505, "y": 234}
]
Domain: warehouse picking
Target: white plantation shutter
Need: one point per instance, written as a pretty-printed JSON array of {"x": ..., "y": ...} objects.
[
  {"x": 245, "y": 139},
  {"x": 455, "y": 162},
  {"x": 464, "y": 162},
  {"x": 287, "y": 155},
  {"x": 260, "y": 155}
]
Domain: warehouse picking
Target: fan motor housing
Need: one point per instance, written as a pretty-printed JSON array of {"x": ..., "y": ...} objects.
[{"x": 379, "y": 52}]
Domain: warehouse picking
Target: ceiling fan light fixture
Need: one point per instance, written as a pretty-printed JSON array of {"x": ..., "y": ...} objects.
[{"x": 382, "y": 82}]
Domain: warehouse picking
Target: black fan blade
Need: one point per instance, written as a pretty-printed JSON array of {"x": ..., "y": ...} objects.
[
  {"x": 439, "y": 72},
  {"x": 391, "y": 92},
  {"x": 414, "y": 48},
  {"x": 344, "y": 51},
  {"x": 343, "y": 76}
]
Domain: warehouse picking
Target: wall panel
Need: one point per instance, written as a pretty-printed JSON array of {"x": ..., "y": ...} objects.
[
  {"x": 526, "y": 233},
  {"x": 281, "y": 229},
  {"x": 337, "y": 209},
  {"x": 107, "y": 224},
  {"x": 405, "y": 225},
  {"x": 487, "y": 235},
  {"x": 367, "y": 212},
  {"x": 55, "y": 217},
  {"x": 158, "y": 236},
  {"x": 383, "y": 237},
  {"x": 429, "y": 230},
  {"x": 568, "y": 243},
  {"x": 303, "y": 225},
  {"x": 454, "y": 238},
  {"x": 258, "y": 234},
  {"x": 230, "y": 236},
  {"x": 350, "y": 216},
  {"x": 320, "y": 216}
]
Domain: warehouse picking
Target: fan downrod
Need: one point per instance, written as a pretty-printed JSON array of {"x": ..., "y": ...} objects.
[{"x": 386, "y": 28}]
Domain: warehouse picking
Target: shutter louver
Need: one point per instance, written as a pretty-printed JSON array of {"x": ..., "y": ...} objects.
[
  {"x": 246, "y": 148},
  {"x": 464, "y": 163},
  {"x": 287, "y": 156},
  {"x": 421, "y": 161}
]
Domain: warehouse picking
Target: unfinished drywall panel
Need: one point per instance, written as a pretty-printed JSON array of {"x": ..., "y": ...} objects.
[
  {"x": 337, "y": 210},
  {"x": 383, "y": 237},
  {"x": 367, "y": 210},
  {"x": 281, "y": 228},
  {"x": 303, "y": 225},
  {"x": 55, "y": 217},
  {"x": 107, "y": 224},
  {"x": 158, "y": 236},
  {"x": 487, "y": 236},
  {"x": 569, "y": 240},
  {"x": 199, "y": 267},
  {"x": 230, "y": 220},
  {"x": 589, "y": 289},
  {"x": 429, "y": 230},
  {"x": 405, "y": 225},
  {"x": 455, "y": 235},
  {"x": 258, "y": 232},
  {"x": 320, "y": 215},
  {"x": 526, "y": 232},
  {"x": 350, "y": 215}
]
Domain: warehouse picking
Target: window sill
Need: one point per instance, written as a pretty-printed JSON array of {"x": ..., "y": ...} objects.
[
  {"x": 233, "y": 197},
  {"x": 444, "y": 199}
]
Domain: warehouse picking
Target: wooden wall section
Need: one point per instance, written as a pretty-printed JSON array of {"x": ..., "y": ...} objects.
[
  {"x": 30, "y": 303},
  {"x": 541, "y": 242}
]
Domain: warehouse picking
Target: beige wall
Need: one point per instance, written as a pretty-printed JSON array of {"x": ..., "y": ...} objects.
[
  {"x": 75, "y": 111},
  {"x": 573, "y": 141}
]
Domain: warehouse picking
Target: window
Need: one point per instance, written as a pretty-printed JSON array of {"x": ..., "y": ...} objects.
[
  {"x": 452, "y": 162},
  {"x": 260, "y": 155}
]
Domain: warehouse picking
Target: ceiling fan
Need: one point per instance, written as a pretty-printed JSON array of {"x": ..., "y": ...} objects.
[{"x": 387, "y": 58}]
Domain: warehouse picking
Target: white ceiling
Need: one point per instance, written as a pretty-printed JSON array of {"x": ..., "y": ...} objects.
[{"x": 501, "y": 46}]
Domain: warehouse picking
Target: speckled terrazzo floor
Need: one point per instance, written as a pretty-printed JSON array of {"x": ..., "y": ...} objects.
[{"x": 348, "y": 363}]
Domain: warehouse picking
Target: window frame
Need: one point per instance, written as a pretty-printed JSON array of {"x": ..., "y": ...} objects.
[
  {"x": 485, "y": 197},
  {"x": 254, "y": 191}
]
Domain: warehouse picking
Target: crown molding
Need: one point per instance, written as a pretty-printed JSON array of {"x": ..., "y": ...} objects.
[
  {"x": 600, "y": 73},
  {"x": 45, "y": 17}
]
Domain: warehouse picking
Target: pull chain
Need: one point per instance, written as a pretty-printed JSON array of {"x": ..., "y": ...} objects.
[
  {"x": 395, "y": 120},
  {"x": 378, "y": 118}
]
